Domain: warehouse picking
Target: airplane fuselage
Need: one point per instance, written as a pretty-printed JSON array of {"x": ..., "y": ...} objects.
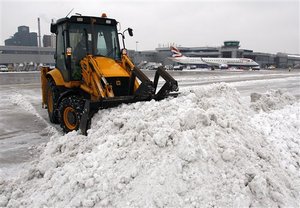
[{"x": 230, "y": 62}]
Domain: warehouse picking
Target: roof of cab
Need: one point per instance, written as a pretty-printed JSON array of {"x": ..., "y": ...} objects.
[{"x": 87, "y": 20}]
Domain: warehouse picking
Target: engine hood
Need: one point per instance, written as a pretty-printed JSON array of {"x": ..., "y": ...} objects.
[{"x": 109, "y": 67}]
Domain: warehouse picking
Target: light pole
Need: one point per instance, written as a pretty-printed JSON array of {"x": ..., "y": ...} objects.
[
  {"x": 136, "y": 45},
  {"x": 39, "y": 41}
]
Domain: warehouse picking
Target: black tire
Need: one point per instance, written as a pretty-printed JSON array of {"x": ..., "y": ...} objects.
[
  {"x": 70, "y": 112},
  {"x": 52, "y": 98}
]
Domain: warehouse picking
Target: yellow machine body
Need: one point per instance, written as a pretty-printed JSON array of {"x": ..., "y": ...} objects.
[
  {"x": 94, "y": 69},
  {"x": 93, "y": 73}
]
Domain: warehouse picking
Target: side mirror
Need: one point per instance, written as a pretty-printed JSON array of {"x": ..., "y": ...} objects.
[
  {"x": 123, "y": 36},
  {"x": 130, "y": 32},
  {"x": 53, "y": 28}
]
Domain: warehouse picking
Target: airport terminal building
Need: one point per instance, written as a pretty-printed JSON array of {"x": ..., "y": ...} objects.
[
  {"x": 230, "y": 49},
  {"x": 15, "y": 56},
  {"x": 24, "y": 58}
]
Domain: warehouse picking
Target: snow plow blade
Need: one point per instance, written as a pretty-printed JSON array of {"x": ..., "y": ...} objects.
[{"x": 145, "y": 92}]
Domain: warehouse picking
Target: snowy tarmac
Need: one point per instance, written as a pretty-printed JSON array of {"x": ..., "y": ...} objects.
[
  {"x": 25, "y": 129},
  {"x": 23, "y": 123}
]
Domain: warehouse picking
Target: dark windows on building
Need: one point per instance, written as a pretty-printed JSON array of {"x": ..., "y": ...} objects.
[
  {"x": 226, "y": 54},
  {"x": 234, "y": 44},
  {"x": 49, "y": 41}
]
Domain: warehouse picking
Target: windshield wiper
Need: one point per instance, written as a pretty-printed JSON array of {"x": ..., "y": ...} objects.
[{"x": 112, "y": 51}]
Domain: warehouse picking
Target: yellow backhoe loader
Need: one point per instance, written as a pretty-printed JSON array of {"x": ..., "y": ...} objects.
[{"x": 93, "y": 73}]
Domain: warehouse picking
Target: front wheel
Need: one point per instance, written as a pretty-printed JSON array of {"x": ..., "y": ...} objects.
[
  {"x": 52, "y": 97},
  {"x": 70, "y": 110}
]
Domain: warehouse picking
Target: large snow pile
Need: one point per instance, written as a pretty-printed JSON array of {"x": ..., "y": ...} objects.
[
  {"x": 275, "y": 99},
  {"x": 206, "y": 148}
]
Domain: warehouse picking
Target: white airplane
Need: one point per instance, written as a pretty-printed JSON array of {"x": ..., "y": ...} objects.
[{"x": 212, "y": 62}]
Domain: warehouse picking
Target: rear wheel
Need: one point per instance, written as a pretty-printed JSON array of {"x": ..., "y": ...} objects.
[
  {"x": 70, "y": 110},
  {"x": 52, "y": 97}
]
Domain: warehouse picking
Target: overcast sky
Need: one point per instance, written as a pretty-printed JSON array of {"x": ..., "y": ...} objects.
[{"x": 261, "y": 25}]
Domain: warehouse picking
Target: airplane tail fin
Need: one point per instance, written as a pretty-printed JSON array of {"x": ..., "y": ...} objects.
[{"x": 175, "y": 52}]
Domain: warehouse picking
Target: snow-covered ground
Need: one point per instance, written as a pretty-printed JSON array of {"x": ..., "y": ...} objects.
[{"x": 216, "y": 145}]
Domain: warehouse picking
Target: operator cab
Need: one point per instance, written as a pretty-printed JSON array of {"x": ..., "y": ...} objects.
[{"x": 79, "y": 36}]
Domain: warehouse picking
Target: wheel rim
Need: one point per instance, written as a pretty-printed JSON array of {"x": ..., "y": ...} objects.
[
  {"x": 50, "y": 101},
  {"x": 70, "y": 118}
]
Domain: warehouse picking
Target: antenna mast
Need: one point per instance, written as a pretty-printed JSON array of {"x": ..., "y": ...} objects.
[{"x": 70, "y": 12}]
